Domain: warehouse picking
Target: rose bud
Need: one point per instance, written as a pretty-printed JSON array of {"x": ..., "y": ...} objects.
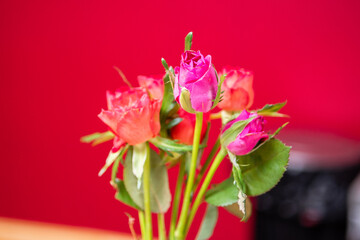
[
  {"x": 196, "y": 83},
  {"x": 238, "y": 89},
  {"x": 184, "y": 131},
  {"x": 241, "y": 143},
  {"x": 133, "y": 114}
]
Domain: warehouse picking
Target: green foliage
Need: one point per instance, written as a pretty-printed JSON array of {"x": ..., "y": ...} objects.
[
  {"x": 188, "y": 41},
  {"x": 172, "y": 123},
  {"x": 263, "y": 168},
  {"x": 170, "y": 145},
  {"x": 234, "y": 210},
  {"x": 226, "y": 194},
  {"x": 160, "y": 196},
  {"x": 272, "y": 110},
  {"x": 168, "y": 106},
  {"x": 223, "y": 194},
  {"x": 208, "y": 223},
  {"x": 97, "y": 138},
  {"x": 122, "y": 194},
  {"x": 272, "y": 107}
]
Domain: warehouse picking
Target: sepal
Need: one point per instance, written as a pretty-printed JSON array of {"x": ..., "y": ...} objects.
[
  {"x": 272, "y": 110},
  {"x": 188, "y": 41},
  {"x": 97, "y": 138},
  {"x": 185, "y": 101}
]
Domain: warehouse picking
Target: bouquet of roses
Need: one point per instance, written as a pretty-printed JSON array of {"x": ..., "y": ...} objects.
[{"x": 165, "y": 123}]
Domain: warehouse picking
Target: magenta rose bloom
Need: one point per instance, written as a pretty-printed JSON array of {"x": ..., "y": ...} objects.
[
  {"x": 195, "y": 78},
  {"x": 247, "y": 139}
]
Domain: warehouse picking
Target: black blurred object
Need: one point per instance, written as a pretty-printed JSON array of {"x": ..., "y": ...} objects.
[{"x": 310, "y": 201}]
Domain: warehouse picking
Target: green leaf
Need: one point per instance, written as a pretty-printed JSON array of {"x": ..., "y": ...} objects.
[
  {"x": 188, "y": 41},
  {"x": 223, "y": 194},
  {"x": 139, "y": 156},
  {"x": 97, "y": 138},
  {"x": 234, "y": 209},
  {"x": 208, "y": 224},
  {"x": 230, "y": 134},
  {"x": 271, "y": 110},
  {"x": 122, "y": 194},
  {"x": 170, "y": 145},
  {"x": 173, "y": 123},
  {"x": 272, "y": 107},
  {"x": 160, "y": 196},
  {"x": 226, "y": 194},
  {"x": 263, "y": 168}
]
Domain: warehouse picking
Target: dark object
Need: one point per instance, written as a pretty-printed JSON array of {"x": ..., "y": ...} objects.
[{"x": 310, "y": 202}]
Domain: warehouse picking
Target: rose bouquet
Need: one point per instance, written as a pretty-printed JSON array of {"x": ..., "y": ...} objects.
[{"x": 165, "y": 123}]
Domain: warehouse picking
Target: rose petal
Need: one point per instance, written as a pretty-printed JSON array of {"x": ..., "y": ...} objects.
[{"x": 244, "y": 144}]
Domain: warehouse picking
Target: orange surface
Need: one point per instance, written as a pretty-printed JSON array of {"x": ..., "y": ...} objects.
[{"x": 16, "y": 229}]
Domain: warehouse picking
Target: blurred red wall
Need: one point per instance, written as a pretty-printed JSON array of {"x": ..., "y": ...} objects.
[{"x": 56, "y": 62}]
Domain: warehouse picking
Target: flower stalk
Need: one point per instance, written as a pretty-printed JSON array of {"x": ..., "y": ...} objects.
[
  {"x": 146, "y": 182},
  {"x": 142, "y": 222},
  {"x": 161, "y": 226},
  {"x": 214, "y": 166},
  {"x": 179, "y": 232},
  {"x": 206, "y": 164},
  {"x": 176, "y": 201}
]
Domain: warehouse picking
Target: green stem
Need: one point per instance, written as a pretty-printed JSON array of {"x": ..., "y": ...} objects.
[
  {"x": 176, "y": 201},
  {"x": 206, "y": 164},
  {"x": 161, "y": 226},
  {"x": 179, "y": 232},
  {"x": 218, "y": 159},
  {"x": 142, "y": 223},
  {"x": 146, "y": 182}
]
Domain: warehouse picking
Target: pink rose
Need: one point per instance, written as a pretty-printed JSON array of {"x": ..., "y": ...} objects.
[
  {"x": 238, "y": 89},
  {"x": 247, "y": 139},
  {"x": 133, "y": 114},
  {"x": 195, "y": 78},
  {"x": 184, "y": 131}
]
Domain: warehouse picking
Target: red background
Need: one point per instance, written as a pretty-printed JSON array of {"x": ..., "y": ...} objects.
[{"x": 56, "y": 62}]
